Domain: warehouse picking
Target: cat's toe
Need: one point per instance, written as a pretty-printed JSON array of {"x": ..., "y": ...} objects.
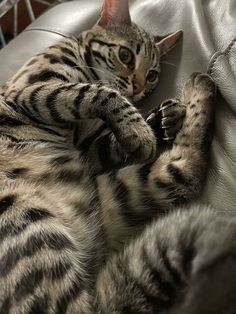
[{"x": 167, "y": 120}]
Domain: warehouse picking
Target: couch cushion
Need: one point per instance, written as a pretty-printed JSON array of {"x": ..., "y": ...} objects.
[{"x": 209, "y": 27}]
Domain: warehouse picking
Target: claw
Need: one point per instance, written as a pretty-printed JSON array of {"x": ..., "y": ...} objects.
[
  {"x": 151, "y": 117},
  {"x": 169, "y": 138}
]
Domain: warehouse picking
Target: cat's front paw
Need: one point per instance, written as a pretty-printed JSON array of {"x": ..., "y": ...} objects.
[
  {"x": 167, "y": 120},
  {"x": 139, "y": 142}
]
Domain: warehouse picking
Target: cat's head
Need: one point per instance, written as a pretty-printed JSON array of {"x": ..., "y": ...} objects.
[{"x": 123, "y": 54}]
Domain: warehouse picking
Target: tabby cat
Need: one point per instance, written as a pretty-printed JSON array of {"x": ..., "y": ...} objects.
[{"x": 80, "y": 176}]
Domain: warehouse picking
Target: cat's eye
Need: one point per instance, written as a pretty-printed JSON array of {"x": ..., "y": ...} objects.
[
  {"x": 152, "y": 76},
  {"x": 125, "y": 55}
]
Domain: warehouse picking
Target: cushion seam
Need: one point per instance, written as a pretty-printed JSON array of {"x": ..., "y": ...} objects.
[
  {"x": 217, "y": 54},
  {"x": 46, "y": 30}
]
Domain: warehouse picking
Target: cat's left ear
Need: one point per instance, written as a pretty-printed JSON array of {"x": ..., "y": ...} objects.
[
  {"x": 166, "y": 43},
  {"x": 114, "y": 13}
]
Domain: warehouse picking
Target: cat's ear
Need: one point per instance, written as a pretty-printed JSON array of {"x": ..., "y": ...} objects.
[
  {"x": 114, "y": 13},
  {"x": 164, "y": 44}
]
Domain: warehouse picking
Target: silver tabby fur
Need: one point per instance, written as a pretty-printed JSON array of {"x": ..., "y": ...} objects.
[{"x": 82, "y": 187}]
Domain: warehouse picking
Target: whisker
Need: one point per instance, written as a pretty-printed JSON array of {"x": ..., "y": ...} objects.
[
  {"x": 112, "y": 83},
  {"x": 168, "y": 63}
]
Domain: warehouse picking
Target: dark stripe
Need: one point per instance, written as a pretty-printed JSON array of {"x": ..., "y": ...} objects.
[
  {"x": 61, "y": 160},
  {"x": 28, "y": 283},
  {"x": 99, "y": 56},
  {"x": 188, "y": 254},
  {"x": 135, "y": 120},
  {"x": 83, "y": 73},
  {"x": 163, "y": 185},
  {"x": 69, "y": 52},
  {"x": 40, "y": 305},
  {"x": 103, "y": 43},
  {"x": 5, "y": 306},
  {"x": 105, "y": 101},
  {"x": 25, "y": 111},
  {"x": 32, "y": 98},
  {"x": 7, "y": 202},
  {"x": 34, "y": 277},
  {"x": 87, "y": 58},
  {"x": 14, "y": 173},
  {"x": 69, "y": 176},
  {"x": 12, "y": 105},
  {"x": 80, "y": 97},
  {"x": 30, "y": 215},
  {"x": 95, "y": 98},
  {"x": 173, "y": 272},
  {"x": 120, "y": 82},
  {"x": 124, "y": 79},
  {"x": 69, "y": 44},
  {"x": 50, "y": 103},
  {"x": 76, "y": 135},
  {"x": 53, "y": 59},
  {"x": 69, "y": 62},
  {"x": 36, "y": 242},
  {"x": 128, "y": 310},
  {"x": 144, "y": 172},
  {"x": 69, "y": 296},
  {"x": 87, "y": 142},
  {"x": 104, "y": 151},
  {"x": 168, "y": 292},
  {"x": 131, "y": 217},
  {"x": 36, "y": 214},
  {"x": 9, "y": 121},
  {"x": 46, "y": 75},
  {"x": 131, "y": 112},
  {"x": 46, "y": 129},
  {"x": 176, "y": 174},
  {"x": 21, "y": 141},
  {"x": 32, "y": 61},
  {"x": 138, "y": 48}
]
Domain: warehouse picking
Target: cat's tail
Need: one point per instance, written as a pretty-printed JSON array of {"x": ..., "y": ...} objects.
[{"x": 182, "y": 264}]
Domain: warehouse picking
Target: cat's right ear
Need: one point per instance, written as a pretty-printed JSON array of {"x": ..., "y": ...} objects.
[
  {"x": 114, "y": 14},
  {"x": 166, "y": 43}
]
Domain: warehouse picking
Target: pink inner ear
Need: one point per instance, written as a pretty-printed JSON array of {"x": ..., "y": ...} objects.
[
  {"x": 169, "y": 41},
  {"x": 114, "y": 13}
]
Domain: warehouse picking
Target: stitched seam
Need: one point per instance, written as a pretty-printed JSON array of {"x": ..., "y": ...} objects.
[
  {"x": 48, "y": 31},
  {"x": 215, "y": 57},
  {"x": 213, "y": 62},
  {"x": 229, "y": 48}
]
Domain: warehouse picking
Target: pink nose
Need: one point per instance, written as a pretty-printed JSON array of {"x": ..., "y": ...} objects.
[{"x": 138, "y": 88}]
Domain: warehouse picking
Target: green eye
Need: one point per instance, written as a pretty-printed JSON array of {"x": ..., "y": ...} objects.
[
  {"x": 152, "y": 76},
  {"x": 125, "y": 55}
]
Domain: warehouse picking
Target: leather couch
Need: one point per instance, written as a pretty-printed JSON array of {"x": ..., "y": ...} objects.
[{"x": 209, "y": 44}]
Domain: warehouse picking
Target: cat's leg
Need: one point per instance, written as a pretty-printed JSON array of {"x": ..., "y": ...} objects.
[
  {"x": 182, "y": 264},
  {"x": 140, "y": 192},
  {"x": 60, "y": 104},
  {"x": 101, "y": 147}
]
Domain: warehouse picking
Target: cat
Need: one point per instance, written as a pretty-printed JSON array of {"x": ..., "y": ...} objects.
[{"x": 85, "y": 203}]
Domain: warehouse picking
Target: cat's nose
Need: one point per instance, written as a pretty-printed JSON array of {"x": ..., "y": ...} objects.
[{"x": 138, "y": 88}]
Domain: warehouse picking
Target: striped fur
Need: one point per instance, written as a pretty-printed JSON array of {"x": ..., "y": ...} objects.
[{"x": 64, "y": 219}]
